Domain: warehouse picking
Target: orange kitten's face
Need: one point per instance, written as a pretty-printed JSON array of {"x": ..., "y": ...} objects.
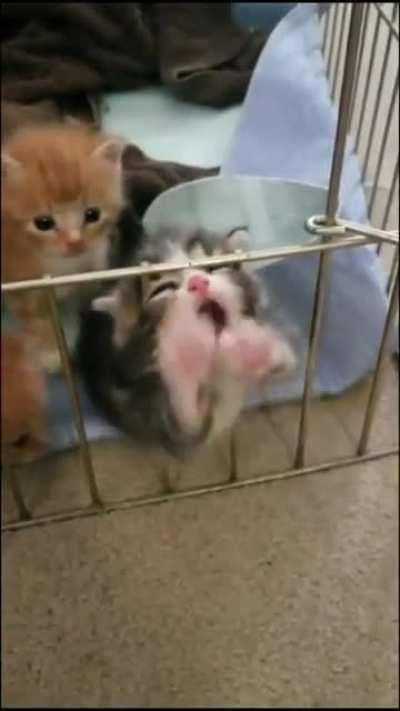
[{"x": 63, "y": 187}]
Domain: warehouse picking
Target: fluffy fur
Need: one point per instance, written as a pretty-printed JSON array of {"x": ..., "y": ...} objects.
[
  {"x": 61, "y": 198},
  {"x": 170, "y": 358}
]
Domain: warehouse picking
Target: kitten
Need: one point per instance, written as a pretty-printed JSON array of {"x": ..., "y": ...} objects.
[
  {"x": 23, "y": 426},
  {"x": 170, "y": 359},
  {"x": 61, "y": 198}
]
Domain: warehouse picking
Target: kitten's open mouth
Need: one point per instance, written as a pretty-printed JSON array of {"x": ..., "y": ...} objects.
[{"x": 215, "y": 312}]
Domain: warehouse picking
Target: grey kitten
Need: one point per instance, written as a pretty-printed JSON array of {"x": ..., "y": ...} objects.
[{"x": 170, "y": 358}]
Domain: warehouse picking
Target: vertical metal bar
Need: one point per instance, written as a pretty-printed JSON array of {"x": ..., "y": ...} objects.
[
  {"x": 360, "y": 58},
  {"x": 333, "y": 38},
  {"x": 233, "y": 473},
  {"x": 385, "y": 136},
  {"x": 368, "y": 80},
  {"x": 377, "y": 378},
  {"x": 74, "y": 397},
  {"x": 389, "y": 203},
  {"x": 328, "y": 15},
  {"x": 339, "y": 51},
  {"x": 332, "y": 203},
  {"x": 166, "y": 479},
  {"x": 393, "y": 270},
  {"x": 382, "y": 150},
  {"x": 344, "y": 112},
  {"x": 315, "y": 329},
  {"x": 380, "y": 86},
  {"x": 23, "y": 511}
]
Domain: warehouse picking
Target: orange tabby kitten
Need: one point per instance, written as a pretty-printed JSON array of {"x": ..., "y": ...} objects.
[{"x": 61, "y": 197}]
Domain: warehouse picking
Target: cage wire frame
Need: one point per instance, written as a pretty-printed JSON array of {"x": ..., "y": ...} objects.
[{"x": 333, "y": 234}]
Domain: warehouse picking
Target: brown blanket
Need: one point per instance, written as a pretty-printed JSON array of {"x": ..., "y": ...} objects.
[{"x": 57, "y": 49}]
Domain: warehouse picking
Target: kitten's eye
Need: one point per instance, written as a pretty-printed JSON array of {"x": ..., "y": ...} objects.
[
  {"x": 92, "y": 214},
  {"x": 44, "y": 223},
  {"x": 166, "y": 286}
]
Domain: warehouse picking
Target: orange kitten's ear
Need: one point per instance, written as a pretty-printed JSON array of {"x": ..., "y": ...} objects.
[
  {"x": 110, "y": 151},
  {"x": 11, "y": 169}
]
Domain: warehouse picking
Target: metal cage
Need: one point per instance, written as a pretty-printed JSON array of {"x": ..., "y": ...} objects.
[{"x": 362, "y": 80}]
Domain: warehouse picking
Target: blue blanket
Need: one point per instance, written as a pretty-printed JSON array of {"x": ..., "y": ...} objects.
[{"x": 286, "y": 131}]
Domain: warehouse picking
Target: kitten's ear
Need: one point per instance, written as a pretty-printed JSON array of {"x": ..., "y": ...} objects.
[
  {"x": 110, "y": 151},
  {"x": 11, "y": 169}
]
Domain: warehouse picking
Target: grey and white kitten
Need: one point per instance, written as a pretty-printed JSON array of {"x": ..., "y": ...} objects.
[{"x": 170, "y": 358}]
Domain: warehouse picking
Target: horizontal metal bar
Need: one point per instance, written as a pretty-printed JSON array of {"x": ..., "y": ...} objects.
[
  {"x": 195, "y": 491},
  {"x": 165, "y": 267},
  {"x": 317, "y": 225}
]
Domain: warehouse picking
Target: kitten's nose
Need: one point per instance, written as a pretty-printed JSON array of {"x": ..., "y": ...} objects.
[
  {"x": 75, "y": 247},
  {"x": 198, "y": 283}
]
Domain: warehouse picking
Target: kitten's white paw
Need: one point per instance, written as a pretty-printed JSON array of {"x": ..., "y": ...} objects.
[{"x": 51, "y": 361}]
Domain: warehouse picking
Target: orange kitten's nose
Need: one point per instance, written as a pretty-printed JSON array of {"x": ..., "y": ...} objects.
[
  {"x": 75, "y": 247},
  {"x": 199, "y": 284}
]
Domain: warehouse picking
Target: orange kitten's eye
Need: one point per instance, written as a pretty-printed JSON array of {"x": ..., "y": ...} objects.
[
  {"x": 44, "y": 223},
  {"x": 92, "y": 214}
]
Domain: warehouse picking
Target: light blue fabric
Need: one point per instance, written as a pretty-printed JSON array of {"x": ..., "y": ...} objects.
[{"x": 286, "y": 131}]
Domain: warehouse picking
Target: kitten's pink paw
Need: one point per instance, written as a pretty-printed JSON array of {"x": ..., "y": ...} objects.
[{"x": 253, "y": 351}]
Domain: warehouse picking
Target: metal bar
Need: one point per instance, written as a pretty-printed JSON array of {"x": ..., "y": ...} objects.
[
  {"x": 360, "y": 59},
  {"x": 197, "y": 491},
  {"x": 395, "y": 178},
  {"x": 332, "y": 203},
  {"x": 165, "y": 267},
  {"x": 317, "y": 225},
  {"x": 389, "y": 202},
  {"x": 389, "y": 22},
  {"x": 327, "y": 17},
  {"x": 74, "y": 398},
  {"x": 385, "y": 136},
  {"x": 23, "y": 511},
  {"x": 344, "y": 111},
  {"x": 166, "y": 480},
  {"x": 313, "y": 343},
  {"x": 376, "y": 381},
  {"x": 368, "y": 80},
  {"x": 345, "y": 7},
  {"x": 233, "y": 467},
  {"x": 333, "y": 38},
  {"x": 393, "y": 269}
]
